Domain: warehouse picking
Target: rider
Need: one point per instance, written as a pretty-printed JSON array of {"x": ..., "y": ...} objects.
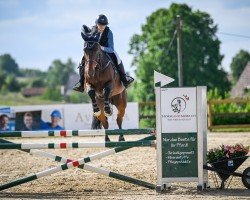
[{"x": 104, "y": 36}]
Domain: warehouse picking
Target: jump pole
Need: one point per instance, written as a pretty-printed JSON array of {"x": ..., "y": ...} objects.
[
  {"x": 111, "y": 174},
  {"x": 95, "y": 169},
  {"x": 74, "y": 145},
  {"x": 71, "y": 133},
  {"x": 76, "y": 163}
]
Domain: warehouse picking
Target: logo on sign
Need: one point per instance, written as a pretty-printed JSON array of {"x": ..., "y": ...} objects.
[{"x": 178, "y": 104}]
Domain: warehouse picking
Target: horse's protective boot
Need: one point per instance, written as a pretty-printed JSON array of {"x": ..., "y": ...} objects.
[
  {"x": 79, "y": 86},
  {"x": 126, "y": 80}
]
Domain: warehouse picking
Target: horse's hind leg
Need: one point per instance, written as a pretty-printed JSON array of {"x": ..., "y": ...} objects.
[
  {"x": 121, "y": 102},
  {"x": 102, "y": 118},
  {"x": 105, "y": 124},
  {"x": 119, "y": 120}
]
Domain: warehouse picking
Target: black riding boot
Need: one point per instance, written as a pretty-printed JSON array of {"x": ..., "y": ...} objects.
[
  {"x": 126, "y": 80},
  {"x": 79, "y": 87}
]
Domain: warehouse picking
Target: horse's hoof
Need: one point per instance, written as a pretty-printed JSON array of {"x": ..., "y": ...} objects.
[
  {"x": 97, "y": 114},
  {"x": 121, "y": 138},
  {"x": 107, "y": 139},
  {"x": 108, "y": 111},
  {"x": 108, "y": 114}
]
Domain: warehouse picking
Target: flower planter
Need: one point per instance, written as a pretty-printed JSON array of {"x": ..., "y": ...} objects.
[{"x": 228, "y": 165}]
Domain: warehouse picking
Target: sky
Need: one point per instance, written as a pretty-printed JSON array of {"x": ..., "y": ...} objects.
[{"x": 36, "y": 32}]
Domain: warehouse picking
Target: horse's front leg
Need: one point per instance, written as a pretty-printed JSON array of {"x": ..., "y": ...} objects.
[
  {"x": 107, "y": 109},
  {"x": 91, "y": 93}
]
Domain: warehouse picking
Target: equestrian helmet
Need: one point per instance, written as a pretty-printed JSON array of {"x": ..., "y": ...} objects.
[{"x": 101, "y": 19}]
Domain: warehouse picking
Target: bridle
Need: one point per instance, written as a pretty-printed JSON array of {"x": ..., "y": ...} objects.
[{"x": 99, "y": 66}]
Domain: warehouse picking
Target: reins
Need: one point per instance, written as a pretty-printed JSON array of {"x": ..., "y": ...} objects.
[{"x": 100, "y": 68}]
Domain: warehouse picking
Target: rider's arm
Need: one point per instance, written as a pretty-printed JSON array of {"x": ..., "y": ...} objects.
[{"x": 110, "y": 48}]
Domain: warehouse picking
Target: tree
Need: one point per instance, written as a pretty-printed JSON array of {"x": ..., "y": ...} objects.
[
  {"x": 8, "y": 64},
  {"x": 12, "y": 83},
  {"x": 238, "y": 64},
  {"x": 59, "y": 72},
  {"x": 2, "y": 78},
  {"x": 32, "y": 73},
  {"x": 38, "y": 82},
  {"x": 201, "y": 56}
]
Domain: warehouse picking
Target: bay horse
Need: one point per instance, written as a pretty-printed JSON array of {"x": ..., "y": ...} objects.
[{"x": 104, "y": 87}]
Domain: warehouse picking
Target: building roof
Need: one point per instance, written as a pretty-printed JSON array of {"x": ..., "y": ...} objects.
[
  {"x": 28, "y": 92},
  {"x": 242, "y": 84}
]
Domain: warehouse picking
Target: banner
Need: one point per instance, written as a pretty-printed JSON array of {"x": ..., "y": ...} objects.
[{"x": 71, "y": 117}]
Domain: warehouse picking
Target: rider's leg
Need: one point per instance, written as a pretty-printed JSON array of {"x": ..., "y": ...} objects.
[
  {"x": 126, "y": 80},
  {"x": 79, "y": 86}
]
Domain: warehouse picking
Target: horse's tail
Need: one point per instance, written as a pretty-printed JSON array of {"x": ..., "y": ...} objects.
[{"x": 96, "y": 123}]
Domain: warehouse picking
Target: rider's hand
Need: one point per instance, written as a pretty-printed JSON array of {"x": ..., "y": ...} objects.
[{"x": 102, "y": 48}]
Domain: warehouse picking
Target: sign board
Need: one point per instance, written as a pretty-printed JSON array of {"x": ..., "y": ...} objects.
[
  {"x": 179, "y": 155},
  {"x": 181, "y": 133},
  {"x": 178, "y": 107}
]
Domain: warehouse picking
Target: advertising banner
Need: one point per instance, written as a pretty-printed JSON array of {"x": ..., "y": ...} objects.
[{"x": 71, "y": 117}]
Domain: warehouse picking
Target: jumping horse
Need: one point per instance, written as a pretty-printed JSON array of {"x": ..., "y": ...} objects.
[{"x": 104, "y": 87}]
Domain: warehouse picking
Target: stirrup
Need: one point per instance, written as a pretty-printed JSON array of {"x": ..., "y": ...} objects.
[
  {"x": 78, "y": 87},
  {"x": 128, "y": 80}
]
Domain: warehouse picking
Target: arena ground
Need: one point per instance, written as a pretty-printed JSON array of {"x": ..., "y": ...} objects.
[{"x": 135, "y": 162}]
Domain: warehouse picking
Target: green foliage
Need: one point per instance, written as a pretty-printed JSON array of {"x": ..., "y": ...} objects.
[
  {"x": 53, "y": 94},
  {"x": 12, "y": 83},
  {"x": 225, "y": 152},
  {"x": 32, "y": 73},
  {"x": 8, "y": 64},
  {"x": 59, "y": 72},
  {"x": 2, "y": 78},
  {"x": 131, "y": 93},
  {"x": 201, "y": 51},
  {"x": 200, "y": 48},
  {"x": 215, "y": 155},
  {"x": 16, "y": 99},
  {"x": 77, "y": 97},
  {"x": 228, "y": 113},
  {"x": 216, "y": 94},
  {"x": 239, "y": 63},
  {"x": 38, "y": 82}
]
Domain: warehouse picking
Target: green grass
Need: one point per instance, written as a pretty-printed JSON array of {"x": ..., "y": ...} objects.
[{"x": 17, "y": 99}]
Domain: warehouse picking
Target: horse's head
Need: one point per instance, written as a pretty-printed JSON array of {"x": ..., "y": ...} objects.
[{"x": 92, "y": 55}]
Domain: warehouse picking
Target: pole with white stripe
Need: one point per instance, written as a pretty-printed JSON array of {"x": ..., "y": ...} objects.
[
  {"x": 95, "y": 169},
  {"x": 71, "y": 133},
  {"x": 74, "y": 145},
  {"x": 76, "y": 163}
]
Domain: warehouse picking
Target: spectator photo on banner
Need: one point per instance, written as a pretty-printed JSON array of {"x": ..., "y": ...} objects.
[
  {"x": 52, "y": 121},
  {"x": 28, "y": 121},
  {"x": 7, "y": 121}
]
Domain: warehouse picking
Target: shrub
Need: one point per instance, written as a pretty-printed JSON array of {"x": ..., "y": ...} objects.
[{"x": 225, "y": 152}]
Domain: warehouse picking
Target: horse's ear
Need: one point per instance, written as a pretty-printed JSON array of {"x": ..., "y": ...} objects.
[{"x": 85, "y": 45}]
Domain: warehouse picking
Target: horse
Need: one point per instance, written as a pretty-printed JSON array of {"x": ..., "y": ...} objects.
[{"x": 104, "y": 87}]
